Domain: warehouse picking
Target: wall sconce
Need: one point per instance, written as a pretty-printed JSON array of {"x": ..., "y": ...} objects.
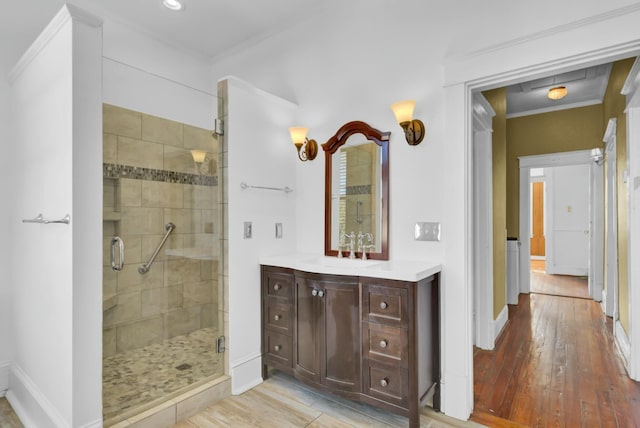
[
  {"x": 307, "y": 149},
  {"x": 597, "y": 156},
  {"x": 557, "y": 93},
  {"x": 201, "y": 160},
  {"x": 413, "y": 128}
]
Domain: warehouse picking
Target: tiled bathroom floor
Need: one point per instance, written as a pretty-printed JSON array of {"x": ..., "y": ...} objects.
[{"x": 149, "y": 374}]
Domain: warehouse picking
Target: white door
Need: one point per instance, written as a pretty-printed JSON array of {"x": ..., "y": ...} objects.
[{"x": 568, "y": 220}]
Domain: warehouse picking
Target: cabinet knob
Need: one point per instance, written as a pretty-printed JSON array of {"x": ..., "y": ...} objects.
[
  {"x": 276, "y": 348},
  {"x": 276, "y": 317},
  {"x": 383, "y": 343},
  {"x": 384, "y": 382},
  {"x": 384, "y": 305},
  {"x": 314, "y": 292},
  {"x": 277, "y": 287},
  {"x": 320, "y": 293}
]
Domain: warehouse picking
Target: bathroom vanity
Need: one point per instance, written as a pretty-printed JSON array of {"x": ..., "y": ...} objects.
[{"x": 367, "y": 330}]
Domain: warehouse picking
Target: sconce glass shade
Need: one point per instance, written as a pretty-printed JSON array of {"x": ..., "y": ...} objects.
[
  {"x": 403, "y": 110},
  {"x": 557, "y": 93},
  {"x": 199, "y": 155},
  {"x": 298, "y": 134}
]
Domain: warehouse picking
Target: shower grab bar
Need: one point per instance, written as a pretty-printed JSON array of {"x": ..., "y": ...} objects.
[
  {"x": 144, "y": 268},
  {"x": 40, "y": 219},
  {"x": 120, "y": 265}
]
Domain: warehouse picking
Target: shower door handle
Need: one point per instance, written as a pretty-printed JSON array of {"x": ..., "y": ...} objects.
[{"x": 120, "y": 243}]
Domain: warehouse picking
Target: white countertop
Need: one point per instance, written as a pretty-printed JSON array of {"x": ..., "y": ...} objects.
[{"x": 403, "y": 270}]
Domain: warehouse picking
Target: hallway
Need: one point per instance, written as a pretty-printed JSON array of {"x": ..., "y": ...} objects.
[{"x": 555, "y": 364}]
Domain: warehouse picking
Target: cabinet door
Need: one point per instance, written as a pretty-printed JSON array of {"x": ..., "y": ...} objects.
[
  {"x": 340, "y": 330},
  {"x": 307, "y": 349}
]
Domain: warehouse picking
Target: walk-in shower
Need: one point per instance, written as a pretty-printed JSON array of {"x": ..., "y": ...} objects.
[{"x": 162, "y": 307}]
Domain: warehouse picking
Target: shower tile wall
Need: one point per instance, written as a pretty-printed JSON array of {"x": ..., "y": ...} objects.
[{"x": 151, "y": 179}]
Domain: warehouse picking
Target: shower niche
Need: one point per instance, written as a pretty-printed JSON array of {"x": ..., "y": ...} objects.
[{"x": 160, "y": 325}]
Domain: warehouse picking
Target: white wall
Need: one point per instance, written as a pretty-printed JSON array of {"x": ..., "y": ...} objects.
[
  {"x": 5, "y": 285},
  {"x": 144, "y": 75},
  {"x": 55, "y": 268},
  {"x": 260, "y": 153}
]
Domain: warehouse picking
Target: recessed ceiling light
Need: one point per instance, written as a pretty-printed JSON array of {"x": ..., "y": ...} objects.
[{"x": 175, "y": 5}]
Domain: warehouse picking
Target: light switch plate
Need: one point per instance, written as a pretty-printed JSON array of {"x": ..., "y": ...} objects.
[
  {"x": 425, "y": 231},
  {"x": 278, "y": 230},
  {"x": 247, "y": 230}
]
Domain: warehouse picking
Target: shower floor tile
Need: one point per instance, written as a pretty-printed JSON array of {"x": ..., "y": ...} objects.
[{"x": 145, "y": 376}]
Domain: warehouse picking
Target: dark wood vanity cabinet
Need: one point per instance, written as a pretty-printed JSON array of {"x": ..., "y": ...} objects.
[
  {"x": 327, "y": 331},
  {"x": 372, "y": 340}
]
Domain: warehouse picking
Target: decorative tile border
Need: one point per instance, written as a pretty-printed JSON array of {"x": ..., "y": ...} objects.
[
  {"x": 110, "y": 170},
  {"x": 359, "y": 190}
]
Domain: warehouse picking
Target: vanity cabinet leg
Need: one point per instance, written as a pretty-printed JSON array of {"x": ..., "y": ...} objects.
[{"x": 265, "y": 371}]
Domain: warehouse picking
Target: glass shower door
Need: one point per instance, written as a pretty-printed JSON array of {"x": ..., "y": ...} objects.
[{"x": 162, "y": 310}]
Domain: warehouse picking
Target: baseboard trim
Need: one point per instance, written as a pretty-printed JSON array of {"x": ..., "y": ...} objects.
[
  {"x": 4, "y": 377},
  {"x": 246, "y": 374},
  {"x": 622, "y": 343},
  {"x": 500, "y": 322},
  {"x": 32, "y": 407}
]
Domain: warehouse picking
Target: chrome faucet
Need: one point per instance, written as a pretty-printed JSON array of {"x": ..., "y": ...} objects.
[
  {"x": 361, "y": 246},
  {"x": 352, "y": 244}
]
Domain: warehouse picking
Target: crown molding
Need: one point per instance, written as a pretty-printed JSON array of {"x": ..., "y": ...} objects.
[{"x": 67, "y": 12}]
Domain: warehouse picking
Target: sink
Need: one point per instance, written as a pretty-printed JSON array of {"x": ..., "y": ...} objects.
[{"x": 343, "y": 262}]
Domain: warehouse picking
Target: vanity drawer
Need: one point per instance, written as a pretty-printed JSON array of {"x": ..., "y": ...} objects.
[
  {"x": 277, "y": 349},
  {"x": 277, "y": 315},
  {"x": 385, "y": 304},
  {"x": 387, "y": 383},
  {"x": 385, "y": 344},
  {"x": 277, "y": 284}
]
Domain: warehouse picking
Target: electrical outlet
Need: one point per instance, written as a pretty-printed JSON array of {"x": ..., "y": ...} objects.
[
  {"x": 427, "y": 231},
  {"x": 247, "y": 230}
]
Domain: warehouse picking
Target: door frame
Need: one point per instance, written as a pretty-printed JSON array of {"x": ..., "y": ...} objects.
[
  {"x": 580, "y": 157},
  {"x": 610, "y": 297},
  {"x": 602, "y": 38},
  {"x": 484, "y": 325}
]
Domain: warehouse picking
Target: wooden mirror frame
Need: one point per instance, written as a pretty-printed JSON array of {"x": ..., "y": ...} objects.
[{"x": 330, "y": 147}]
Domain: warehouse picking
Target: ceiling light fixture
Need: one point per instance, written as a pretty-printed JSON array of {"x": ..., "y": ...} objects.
[
  {"x": 557, "y": 93},
  {"x": 174, "y": 5}
]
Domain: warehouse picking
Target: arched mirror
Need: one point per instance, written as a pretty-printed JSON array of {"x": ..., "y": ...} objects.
[{"x": 357, "y": 191}]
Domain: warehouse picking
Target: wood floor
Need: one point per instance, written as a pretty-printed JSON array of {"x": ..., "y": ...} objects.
[
  {"x": 555, "y": 364},
  {"x": 8, "y": 418},
  {"x": 558, "y": 285},
  {"x": 282, "y": 401}
]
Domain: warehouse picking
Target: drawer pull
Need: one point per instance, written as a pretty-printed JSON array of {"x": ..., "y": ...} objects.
[
  {"x": 320, "y": 293},
  {"x": 384, "y": 305},
  {"x": 314, "y": 292},
  {"x": 384, "y": 382},
  {"x": 277, "y": 287},
  {"x": 383, "y": 343},
  {"x": 277, "y": 348},
  {"x": 276, "y": 317}
]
